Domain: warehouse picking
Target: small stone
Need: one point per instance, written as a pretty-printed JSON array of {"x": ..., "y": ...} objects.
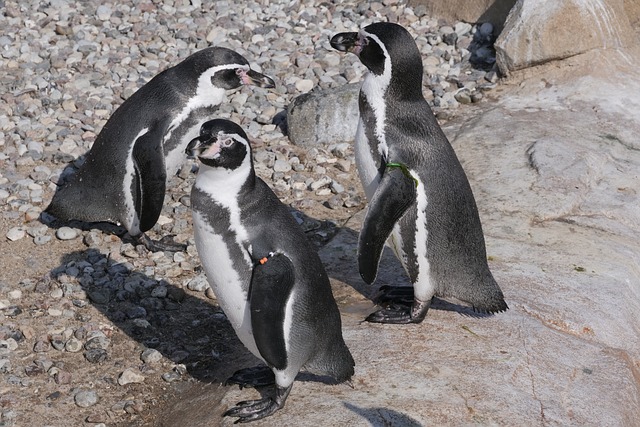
[
  {"x": 10, "y": 344},
  {"x": 86, "y": 398},
  {"x": 151, "y": 355},
  {"x": 74, "y": 345},
  {"x": 96, "y": 355},
  {"x": 304, "y": 85},
  {"x": 198, "y": 283},
  {"x": 103, "y": 12},
  {"x": 100, "y": 341},
  {"x": 15, "y": 233},
  {"x": 41, "y": 346},
  {"x": 15, "y": 294},
  {"x": 66, "y": 233},
  {"x": 463, "y": 97},
  {"x": 171, "y": 376},
  {"x": 281, "y": 166},
  {"x": 129, "y": 376},
  {"x": 33, "y": 370},
  {"x": 62, "y": 377}
]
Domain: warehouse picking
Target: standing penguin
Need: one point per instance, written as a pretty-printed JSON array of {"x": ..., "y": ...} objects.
[
  {"x": 124, "y": 175},
  {"x": 265, "y": 274},
  {"x": 419, "y": 196}
]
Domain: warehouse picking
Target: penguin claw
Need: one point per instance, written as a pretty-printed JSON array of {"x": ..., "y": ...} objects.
[
  {"x": 394, "y": 294},
  {"x": 164, "y": 244},
  {"x": 401, "y": 313},
  {"x": 393, "y": 314},
  {"x": 251, "y": 410},
  {"x": 257, "y": 376}
]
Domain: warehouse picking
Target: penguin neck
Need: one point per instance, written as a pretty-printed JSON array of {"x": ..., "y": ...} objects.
[{"x": 222, "y": 183}]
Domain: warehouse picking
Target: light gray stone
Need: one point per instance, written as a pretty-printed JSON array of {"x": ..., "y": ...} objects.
[
  {"x": 536, "y": 31},
  {"x": 324, "y": 116}
]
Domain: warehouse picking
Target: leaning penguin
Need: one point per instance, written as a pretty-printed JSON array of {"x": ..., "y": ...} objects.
[
  {"x": 419, "y": 197},
  {"x": 123, "y": 177},
  {"x": 266, "y": 276}
]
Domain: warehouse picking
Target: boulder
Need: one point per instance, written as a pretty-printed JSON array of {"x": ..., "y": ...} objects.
[
  {"x": 493, "y": 11},
  {"x": 553, "y": 163},
  {"x": 326, "y": 116},
  {"x": 538, "y": 31}
]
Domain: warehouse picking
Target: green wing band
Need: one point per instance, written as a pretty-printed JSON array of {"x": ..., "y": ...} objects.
[{"x": 404, "y": 170}]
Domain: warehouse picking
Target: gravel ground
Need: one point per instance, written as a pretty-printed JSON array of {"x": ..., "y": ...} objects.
[{"x": 95, "y": 330}]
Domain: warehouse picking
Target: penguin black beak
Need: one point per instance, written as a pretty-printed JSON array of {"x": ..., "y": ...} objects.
[
  {"x": 345, "y": 42},
  {"x": 195, "y": 146},
  {"x": 255, "y": 78}
]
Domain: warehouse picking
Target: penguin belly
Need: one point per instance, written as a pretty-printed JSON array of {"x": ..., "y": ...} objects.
[
  {"x": 225, "y": 278},
  {"x": 366, "y": 164}
]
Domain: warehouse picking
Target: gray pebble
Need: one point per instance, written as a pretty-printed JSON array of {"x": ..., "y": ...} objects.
[
  {"x": 73, "y": 345},
  {"x": 96, "y": 355},
  {"x": 86, "y": 398},
  {"x": 129, "y": 376},
  {"x": 66, "y": 233},
  {"x": 198, "y": 283},
  {"x": 151, "y": 355},
  {"x": 15, "y": 233}
]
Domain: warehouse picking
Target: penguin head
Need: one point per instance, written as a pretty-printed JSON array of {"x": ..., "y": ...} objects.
[
  {"x": 387, "y": 49},
  {"x": 227, "y": 69},
  {"x": 221, "y": 144}
]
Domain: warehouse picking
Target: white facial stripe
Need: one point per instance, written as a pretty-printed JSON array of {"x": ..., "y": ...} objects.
[
  {"x": 234, "y": 136},
  {"x": 424, "y": 289},
  {"x": 374, "y": 88},
  {"x": 207, "y": 95},
  {"x": 131, "y": 221}
]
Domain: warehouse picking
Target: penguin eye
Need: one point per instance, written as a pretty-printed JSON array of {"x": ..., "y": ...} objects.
[{"x": 227, "y": 142}]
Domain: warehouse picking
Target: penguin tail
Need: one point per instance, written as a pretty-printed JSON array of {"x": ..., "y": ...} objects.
[{"x": 334, "y": 361}]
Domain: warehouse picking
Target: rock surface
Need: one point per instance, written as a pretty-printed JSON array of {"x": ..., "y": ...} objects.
[
  {"x": 553, "y": 164},
  {"x": 493, "y": 11},
  {"x": 324, "y": 117},
  {"x": 540, "y": 31}
]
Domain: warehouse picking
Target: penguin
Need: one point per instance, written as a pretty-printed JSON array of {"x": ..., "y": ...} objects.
[
  {"x": 420, "y": 200},
  {"x": 266, "y": 275},
  {"x": 123, "y": 177}
]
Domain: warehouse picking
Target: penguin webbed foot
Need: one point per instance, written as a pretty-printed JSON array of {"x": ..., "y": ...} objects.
[
  {"x": 256, "y": 376},
  {"x": 165, "y": 244},
  {"x": 251, "y": 410},
  {"x": 401, "y": 312},
  {"x": 394, "y": 294}
]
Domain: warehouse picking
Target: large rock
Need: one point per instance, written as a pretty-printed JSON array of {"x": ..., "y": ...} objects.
[
  {"x": 324, "y": 116},
  {"x": 554, "y": 167},
  {"x": 538, "y": 31},
  {"x": 493, "y": 11}
]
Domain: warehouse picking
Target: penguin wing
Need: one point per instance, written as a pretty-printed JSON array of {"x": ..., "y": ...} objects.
[
  {"x": 150, "y": 176},
  {"x": 271, "y": 287},
  {"x": 394, "y": 195}
]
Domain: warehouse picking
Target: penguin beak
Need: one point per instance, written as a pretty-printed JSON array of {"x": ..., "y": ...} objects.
[
  {"x": 251, "y": 77},
  {"x": 346, "y": 42},
  {"x": 204, "y": 146}
]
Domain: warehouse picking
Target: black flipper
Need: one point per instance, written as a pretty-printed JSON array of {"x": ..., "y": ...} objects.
[
  {"x": 150, "y": 177},
  {"x": 271, "y": 287},
  {"x": 394, "y": 195}
]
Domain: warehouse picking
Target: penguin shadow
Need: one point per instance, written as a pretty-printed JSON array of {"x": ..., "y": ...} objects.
[
  {"x": 392, "y": 284},
  {"x": 191, "y": 332},
  {"x": 383, "y": 417}
]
